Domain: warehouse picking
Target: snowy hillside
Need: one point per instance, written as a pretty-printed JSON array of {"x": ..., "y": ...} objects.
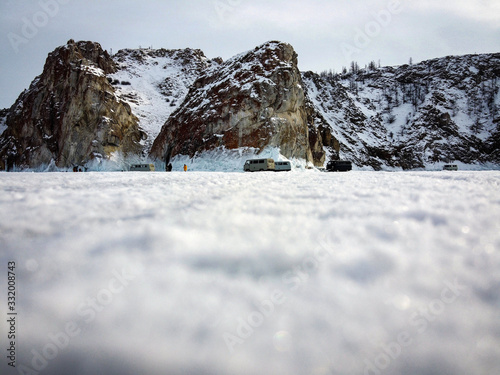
[
  {"x": 155, "y": 82},
  {"x": 354, "y": 126},
  {"x": 231, "y": 273},
  {"x": 414, "y": 116}
]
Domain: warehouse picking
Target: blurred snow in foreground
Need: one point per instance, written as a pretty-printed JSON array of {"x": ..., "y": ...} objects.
[{"x": 263, "y": 273}]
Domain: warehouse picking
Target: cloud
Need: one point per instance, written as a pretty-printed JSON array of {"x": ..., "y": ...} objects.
[
  {"x": 290, "y": 16},
  {"x": 478, "y": 10}
]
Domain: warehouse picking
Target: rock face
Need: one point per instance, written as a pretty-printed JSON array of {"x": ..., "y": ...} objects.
[
  {"x": 254, "y": 100},
  {"x": 70, "y": 114}
]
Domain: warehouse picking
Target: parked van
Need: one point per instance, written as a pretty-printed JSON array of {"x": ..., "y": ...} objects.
[
  {"x": 339, "y": 165},
  {"x": 142, "y": 167},
  {"x": 282, "y": 166},
  {"x": 259, "y": 165},
  {"x": 450, "y": 167}
]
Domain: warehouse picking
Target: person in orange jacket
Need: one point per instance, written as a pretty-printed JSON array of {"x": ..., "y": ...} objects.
[{"x": 185, "y": 168}]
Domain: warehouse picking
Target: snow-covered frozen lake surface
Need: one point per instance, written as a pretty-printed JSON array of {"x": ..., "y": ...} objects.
[{"x": 264, "y": 273}]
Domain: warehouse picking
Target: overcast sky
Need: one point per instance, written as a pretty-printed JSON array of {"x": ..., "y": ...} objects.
[{"x": 327, "y": 34}]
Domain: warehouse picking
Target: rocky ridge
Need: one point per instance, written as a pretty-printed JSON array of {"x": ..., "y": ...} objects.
[
  {"x": 70, "y": 115},
  {"x": 254, "y": 100},
  {"x": 88, "y": 107},
  {"x": 413, "y": 116}
]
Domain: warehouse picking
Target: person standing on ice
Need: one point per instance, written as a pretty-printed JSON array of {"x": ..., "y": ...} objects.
[{"x": 185, "y": 168}]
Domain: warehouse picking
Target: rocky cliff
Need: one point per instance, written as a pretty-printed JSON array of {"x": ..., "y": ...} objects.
[
  {"x": 254, "y": 100},
  {"x": 88, "y": 106},
  {"x": 70, "y": 115}
]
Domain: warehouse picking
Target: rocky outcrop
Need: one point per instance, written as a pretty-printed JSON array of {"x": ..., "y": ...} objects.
[
  {"x": 254, "y": 100},
  {"x": 70, "y": 115}
]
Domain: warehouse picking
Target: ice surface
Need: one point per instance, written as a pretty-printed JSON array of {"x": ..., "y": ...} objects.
[{"x": 257, "y": 273}]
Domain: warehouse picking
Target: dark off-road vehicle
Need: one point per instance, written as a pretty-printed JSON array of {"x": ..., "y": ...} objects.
[{"x": 339, "y": 166}]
